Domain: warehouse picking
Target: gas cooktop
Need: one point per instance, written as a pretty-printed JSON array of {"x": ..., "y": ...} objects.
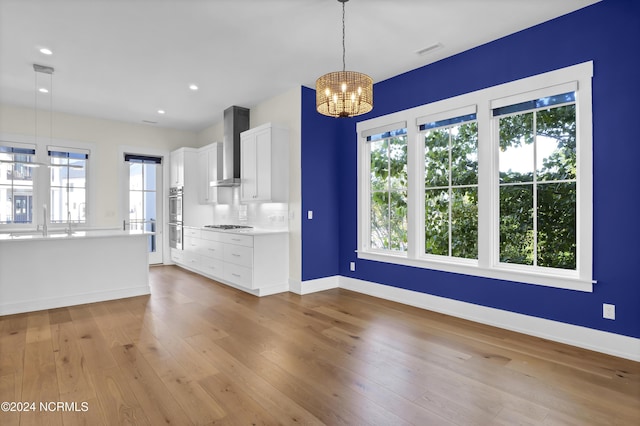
[{"x": 228, "y": 226}]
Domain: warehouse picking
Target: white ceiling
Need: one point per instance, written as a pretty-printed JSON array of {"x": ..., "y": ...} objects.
[{"x": 125, "y": 59}]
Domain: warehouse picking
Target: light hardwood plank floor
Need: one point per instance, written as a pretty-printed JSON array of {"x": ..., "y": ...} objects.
[{"x": 198, "y": 352}]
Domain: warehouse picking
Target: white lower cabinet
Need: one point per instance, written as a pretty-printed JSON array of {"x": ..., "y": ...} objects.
[{"x": 253, "y": 262}]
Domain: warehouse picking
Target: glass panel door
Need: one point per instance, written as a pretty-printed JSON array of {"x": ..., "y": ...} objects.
[{"x": 144, "y": 204}]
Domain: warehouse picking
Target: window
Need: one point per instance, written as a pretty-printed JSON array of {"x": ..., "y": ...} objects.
[
  {"x": 537, "y": 182},
  {"x": 388, "y": 179},
  {"x": 68, "y": 185},
  {"x": 495, "y": 183},
  {"x": 16, "y": 184},
  {"x": 451, "y": 186}
]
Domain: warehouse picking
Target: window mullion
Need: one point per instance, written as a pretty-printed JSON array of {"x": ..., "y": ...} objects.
[
  {"x": 415, "y": 192},
  {"x": 389, "y": 194},
  {"x": 535, "y": 189},
  {"x": 488, "y": 187},
  {"x": 450, "y": 191}
]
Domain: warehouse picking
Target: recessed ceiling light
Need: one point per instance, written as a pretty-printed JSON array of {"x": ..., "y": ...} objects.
[
  {"x": 161, "y": 111},
  {"x": 43, "y": 90},
  {"x": 46, "y": 51},
  {"x": 193, "y": 87}
]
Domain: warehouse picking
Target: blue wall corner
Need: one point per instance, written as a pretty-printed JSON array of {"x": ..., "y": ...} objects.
[{"x": 608, "y": 33}]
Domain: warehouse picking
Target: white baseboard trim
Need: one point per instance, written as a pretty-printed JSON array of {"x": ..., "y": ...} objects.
[
  {"x": 582, "y": 337},
  {"x": 71, "y": 300},
  {"x": 313, "y": 286},
  {"x": 274, "y": 289}
]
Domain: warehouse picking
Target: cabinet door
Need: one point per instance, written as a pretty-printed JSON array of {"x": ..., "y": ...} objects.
[
  {"x": 255, "y": 167},
  {"x": 209, "y": 170},
  {"x": 248, "y": 173},
  {"x": 203, "y": 177},
  {"x": 263, "y": 166},
  {"x": 176, "y": 170}
]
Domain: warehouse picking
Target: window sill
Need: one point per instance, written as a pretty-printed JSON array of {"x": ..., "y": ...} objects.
[{"x": 471, "y": 268}]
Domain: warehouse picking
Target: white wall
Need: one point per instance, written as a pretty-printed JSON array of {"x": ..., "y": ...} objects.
[
  {"x": 110, "y": 136},
  {"x": 107, "y": 137},
  {"x": 285, "y": 110}
]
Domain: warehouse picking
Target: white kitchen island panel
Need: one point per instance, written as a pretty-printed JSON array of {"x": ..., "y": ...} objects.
[{"x": 58, "y": 270}]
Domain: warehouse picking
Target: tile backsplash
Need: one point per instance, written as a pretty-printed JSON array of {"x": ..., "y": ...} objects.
[{"x": 261, "y": 215}]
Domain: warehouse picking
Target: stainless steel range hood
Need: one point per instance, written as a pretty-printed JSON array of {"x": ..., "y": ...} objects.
[{"x": 236, "y": 121}]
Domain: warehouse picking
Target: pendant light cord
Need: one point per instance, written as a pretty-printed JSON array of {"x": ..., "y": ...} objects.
[{"x": 344, "y": 67}]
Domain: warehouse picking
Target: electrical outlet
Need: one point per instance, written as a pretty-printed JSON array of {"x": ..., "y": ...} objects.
[
  {"x": 352, "y": 266},
  {"x": 608, "y": 311}
]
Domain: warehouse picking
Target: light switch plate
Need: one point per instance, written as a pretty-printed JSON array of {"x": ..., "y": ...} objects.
[{"x": 310, "y": 214}]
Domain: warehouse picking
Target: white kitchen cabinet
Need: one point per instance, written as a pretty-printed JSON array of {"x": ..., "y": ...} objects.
[
  {"x": 264, "y": 170},
  {"x": 184, "y": 163},
  {"x": 256, "y": 263},
  {"x": 176, "y": 168},
  {"x": 209, "y": 170}
]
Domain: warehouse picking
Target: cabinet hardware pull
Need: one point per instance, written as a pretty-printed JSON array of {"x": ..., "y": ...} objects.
[
  {"x": 234, "y": 254},
  {"x": 236, "y": 275}
]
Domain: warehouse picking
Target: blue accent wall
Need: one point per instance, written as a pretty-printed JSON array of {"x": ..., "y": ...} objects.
[
  {"x": 607, "y": 33},
  {"x": 320, "y": 190}
]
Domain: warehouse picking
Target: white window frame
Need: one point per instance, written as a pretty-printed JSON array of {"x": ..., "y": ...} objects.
[
  {"x": 87, "y": 168},
  {"x": 42, "y": 187},
  {"x": 13, "y": 144},
  {"x": 365, "y": 134},
  {"x": 487, "y": 265}
]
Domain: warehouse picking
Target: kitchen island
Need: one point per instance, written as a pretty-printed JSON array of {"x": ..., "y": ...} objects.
[{"x": 63, "y": 269}]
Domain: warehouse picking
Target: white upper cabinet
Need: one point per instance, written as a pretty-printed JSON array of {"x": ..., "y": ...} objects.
[
  {"x": 209, "y": 170},
  {"x": 176, "y": 170},
  {"x": 264, "y": 169}
]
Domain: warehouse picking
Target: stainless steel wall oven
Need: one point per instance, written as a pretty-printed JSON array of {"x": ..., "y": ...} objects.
[{"x": 175, "y": 218}]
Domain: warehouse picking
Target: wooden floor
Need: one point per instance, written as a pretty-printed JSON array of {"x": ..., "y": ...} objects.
[{"x": 198, "y": 352}]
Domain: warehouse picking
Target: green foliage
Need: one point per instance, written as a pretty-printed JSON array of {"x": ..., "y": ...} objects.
[
  {"x": 389, "y": 194},
  {"x": 554, "y": 243},
  {"x": 544, "y": 237},
  {"x": 451, "y": 195}
]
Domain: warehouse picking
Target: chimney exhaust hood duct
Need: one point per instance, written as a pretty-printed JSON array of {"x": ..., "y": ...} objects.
[{"x": 236, "y": 121}]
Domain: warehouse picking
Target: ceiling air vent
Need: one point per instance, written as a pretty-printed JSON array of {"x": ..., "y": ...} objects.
[{"x": 429, "y": 49}]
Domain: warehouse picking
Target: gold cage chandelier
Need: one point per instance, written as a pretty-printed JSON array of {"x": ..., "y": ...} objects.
[{"x": 344, "y": 93}]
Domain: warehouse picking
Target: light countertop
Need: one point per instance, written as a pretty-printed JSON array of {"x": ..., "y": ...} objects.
[
  {"x": 243, "y": 231},
  {"x": 59, "y": 234}
]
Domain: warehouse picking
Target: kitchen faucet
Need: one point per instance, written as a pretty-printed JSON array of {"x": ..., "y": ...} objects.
[
  {"x": 69, "y": 230},
  {"x": 44, "y": 222}
]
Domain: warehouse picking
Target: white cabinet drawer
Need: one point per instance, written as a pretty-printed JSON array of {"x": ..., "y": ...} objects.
[
  {"x": 242, "y": 240},
  {"x": 237, "y": 274},
  {"x": 191, "y": 244},
  {"x": 212, "y": 249},
  {"x": 189, "y": 232},
  {"x": 177, "y": 256},
  {"x": 213, "y": 267},
  {"x": 211, "y": 235},
  {"x": 238, "y": 255},
  {"x": 191, "y": 260}
]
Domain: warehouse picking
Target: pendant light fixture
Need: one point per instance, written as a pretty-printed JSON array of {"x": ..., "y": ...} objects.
[
  {"x": 43, "y": 89},
  {"x": 344, "y": 93}
]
